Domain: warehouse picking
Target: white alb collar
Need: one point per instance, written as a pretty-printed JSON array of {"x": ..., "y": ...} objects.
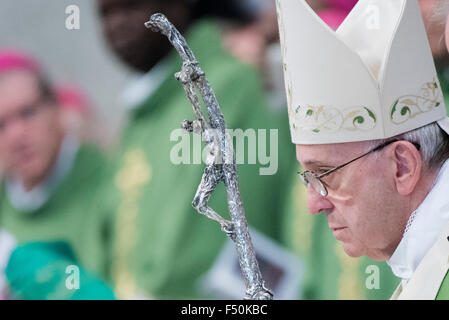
[
  {"x": 423, "y": 227},
  {"x": 27, "y": 201},
  {"x": 142, "y": 86}
]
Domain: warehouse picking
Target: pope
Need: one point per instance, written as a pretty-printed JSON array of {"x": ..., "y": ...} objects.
[
  {"x": 368, "y": 118},
  {"x": 329, "y": 272}
]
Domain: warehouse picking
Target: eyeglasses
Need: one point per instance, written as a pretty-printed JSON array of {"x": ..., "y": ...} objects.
[{"x": 309, "y": 177}]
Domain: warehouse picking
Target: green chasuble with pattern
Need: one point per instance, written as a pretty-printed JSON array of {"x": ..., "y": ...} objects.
[
  {"x": 72, "y": 214},
  {"x": 163, "y": 246}
]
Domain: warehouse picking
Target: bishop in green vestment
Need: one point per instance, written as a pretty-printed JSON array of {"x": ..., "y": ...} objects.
[
  {"x": 67, "y": 212},
  {"x": 51, "y": 183}
]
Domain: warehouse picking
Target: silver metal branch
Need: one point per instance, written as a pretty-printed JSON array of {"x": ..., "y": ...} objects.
[{"x": 220, "y": 161}]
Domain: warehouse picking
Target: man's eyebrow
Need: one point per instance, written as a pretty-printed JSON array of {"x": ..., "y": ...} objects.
[{"x": 315, "y": 163}]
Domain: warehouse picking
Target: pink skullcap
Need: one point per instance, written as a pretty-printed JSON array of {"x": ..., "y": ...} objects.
[
  {"x": 16, "y": 60},
  {"x": 345, "y": 5},
  {"x": 336, "y": 12},
  {"x": 71, "y": 98},
  {"x": 333, "y": 17}
]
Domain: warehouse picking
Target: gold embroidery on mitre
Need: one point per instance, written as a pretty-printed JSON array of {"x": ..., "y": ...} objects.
[
  {"x": 135, "y": 173},
  {"x": 317, "y": 119},
  {"x": 409, "y": 106}
]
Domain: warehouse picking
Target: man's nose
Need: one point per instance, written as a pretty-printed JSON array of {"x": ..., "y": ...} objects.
[{"x": 316, "y": 203}]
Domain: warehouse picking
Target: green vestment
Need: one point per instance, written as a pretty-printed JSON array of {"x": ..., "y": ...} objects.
[
  {"x": 72, "y": 214},
  {"x": 443, "y": 293}
]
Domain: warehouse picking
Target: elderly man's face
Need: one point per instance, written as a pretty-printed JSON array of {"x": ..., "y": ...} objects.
[
  {"x": 30, "y": 128},
  {"x": 361, "y": 206},
  {"x": 123, "y": 25}
]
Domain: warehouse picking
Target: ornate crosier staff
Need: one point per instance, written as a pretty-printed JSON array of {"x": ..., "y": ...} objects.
[{"x": 220, "y": 160}]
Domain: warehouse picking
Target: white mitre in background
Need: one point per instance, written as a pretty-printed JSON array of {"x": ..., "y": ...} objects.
[{"x": 373, "y": 78}]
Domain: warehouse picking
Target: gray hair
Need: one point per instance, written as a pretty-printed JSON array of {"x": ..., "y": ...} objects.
[{"x": 433, "y": 142}]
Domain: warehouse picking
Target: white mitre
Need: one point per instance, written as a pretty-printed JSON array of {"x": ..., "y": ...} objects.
[{"x": 373, "y": 78}]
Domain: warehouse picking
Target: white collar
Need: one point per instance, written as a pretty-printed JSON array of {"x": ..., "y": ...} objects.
[
  {"x": 423, "y": 227},
  {"x": 142, "y": 86},
  {"x": 27, "y": 201}
]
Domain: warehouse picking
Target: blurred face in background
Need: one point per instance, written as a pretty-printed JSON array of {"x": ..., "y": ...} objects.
[
  {"x": 123, "y": 25},
  {"x": 30, "y": 128}
]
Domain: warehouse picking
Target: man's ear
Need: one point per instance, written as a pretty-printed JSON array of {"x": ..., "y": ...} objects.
[{"x": 408, "y": 166}]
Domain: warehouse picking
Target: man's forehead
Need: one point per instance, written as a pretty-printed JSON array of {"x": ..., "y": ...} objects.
[
  {"x": 17, "y": 87},
  {"x": 326, "y": 155},
  {"x": 22, "y": 79}
]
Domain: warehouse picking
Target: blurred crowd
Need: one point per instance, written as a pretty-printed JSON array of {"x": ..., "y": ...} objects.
[{"x": 78, "y": 221}]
